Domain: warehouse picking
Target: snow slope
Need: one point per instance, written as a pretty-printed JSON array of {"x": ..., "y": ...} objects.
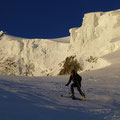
[
  {"x": 30, "y": 57},
  {"x": 96, "y": 32},
  {"x": 98, "y": 36},
  {"x": 38, "y": 98}
]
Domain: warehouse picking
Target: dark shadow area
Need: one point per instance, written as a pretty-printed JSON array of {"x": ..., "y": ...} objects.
[{"x": 17, "y": 105}]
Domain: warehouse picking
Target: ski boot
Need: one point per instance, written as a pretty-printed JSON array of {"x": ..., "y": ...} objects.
[
  {"x": 72, "y": 96},
  {"x": 83, "y": 98}
]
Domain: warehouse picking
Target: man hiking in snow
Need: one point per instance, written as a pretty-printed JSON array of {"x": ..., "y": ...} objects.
[{"x": 76, "y": 79}]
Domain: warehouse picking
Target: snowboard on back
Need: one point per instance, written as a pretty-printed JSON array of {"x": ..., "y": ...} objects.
[{"x": 75, "y": 98}]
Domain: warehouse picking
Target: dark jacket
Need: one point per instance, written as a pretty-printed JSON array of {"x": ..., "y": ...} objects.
[{"x": 76, "y": 79}]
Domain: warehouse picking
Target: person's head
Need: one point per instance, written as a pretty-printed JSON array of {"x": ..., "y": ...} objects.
[{"x": 73, "y": 72}]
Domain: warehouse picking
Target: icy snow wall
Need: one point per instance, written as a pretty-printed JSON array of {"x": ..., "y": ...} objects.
[
  {"x": 31, "y": 57},
  {"x": 98, "y": 35}
]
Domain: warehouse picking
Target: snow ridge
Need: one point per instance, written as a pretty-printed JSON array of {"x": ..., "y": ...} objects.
[{"x": 98, "y": 36}]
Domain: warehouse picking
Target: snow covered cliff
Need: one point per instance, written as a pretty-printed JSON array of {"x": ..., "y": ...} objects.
[
  {"x": 97, "y": 33},
  {"x": 21, "y": 56},
  {"x": 98, "y": 36}
]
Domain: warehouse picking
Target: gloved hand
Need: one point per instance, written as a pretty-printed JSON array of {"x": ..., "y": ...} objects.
[{"x": 66, "y": 85}]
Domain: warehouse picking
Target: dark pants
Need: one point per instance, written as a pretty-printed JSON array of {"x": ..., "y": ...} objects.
[{"x": 78, "y": 88}]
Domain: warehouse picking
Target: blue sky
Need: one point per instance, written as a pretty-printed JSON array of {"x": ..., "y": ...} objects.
[{"x": 47, "y": 18}]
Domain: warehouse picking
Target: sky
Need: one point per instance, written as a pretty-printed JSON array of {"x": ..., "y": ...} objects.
[{"x": 48, "y": 18}]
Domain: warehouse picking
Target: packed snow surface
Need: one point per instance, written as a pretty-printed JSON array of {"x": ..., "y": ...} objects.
[{"x": 38, "y": 98}]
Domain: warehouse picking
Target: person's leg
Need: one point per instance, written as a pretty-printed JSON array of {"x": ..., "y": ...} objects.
[
  {"x": 72, "y": 89},
  {"x": 80, "y": 91}
]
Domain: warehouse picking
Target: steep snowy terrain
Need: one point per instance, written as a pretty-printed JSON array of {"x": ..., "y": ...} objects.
[
  {"x": 38, "y": 98},
  {"x": 95, "y": 44},
  {"x": 98, "y": 36},
  {"x": 21, "y": 56}
]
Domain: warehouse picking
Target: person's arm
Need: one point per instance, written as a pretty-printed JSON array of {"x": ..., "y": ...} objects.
[{"x": 69, "y": 81}]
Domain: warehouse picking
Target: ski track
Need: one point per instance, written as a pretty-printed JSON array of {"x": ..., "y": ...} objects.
[{"x": 38, "y": 98}]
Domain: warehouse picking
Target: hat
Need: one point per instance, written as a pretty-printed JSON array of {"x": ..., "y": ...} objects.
[{"x": 73, "y": 71}]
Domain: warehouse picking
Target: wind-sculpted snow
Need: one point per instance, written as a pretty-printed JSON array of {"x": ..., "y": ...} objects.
[
  {"x": 98, "y": 36},
  {"x": 96, "y": 33},
  {"x": 32, "y": 56}
]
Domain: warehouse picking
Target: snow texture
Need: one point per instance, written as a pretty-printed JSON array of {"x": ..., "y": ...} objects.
[
  {"x": 95, "y": 44},
  {"x": 98, "y": 36},
  {"x": 38, "y": 98}
]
